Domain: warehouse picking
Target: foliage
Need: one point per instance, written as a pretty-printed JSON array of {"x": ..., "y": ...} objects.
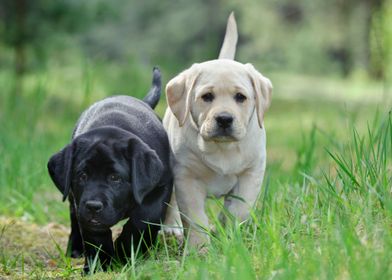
[
  {"x": 31, "y": 27},
  {"x": 324, "y": 212},
  {"x": 329, "y": 38}
]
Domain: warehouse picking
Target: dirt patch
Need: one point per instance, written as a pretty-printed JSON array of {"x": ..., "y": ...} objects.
[
  {"x": 31, "y": 251},
  {"x": 28, "y": 249}
]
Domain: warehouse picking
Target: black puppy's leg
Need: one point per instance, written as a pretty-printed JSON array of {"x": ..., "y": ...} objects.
[
  {"x": 136, "y": 234},
  {"x": 97, "y": 243},
  {"x": 75, "y": 242}
]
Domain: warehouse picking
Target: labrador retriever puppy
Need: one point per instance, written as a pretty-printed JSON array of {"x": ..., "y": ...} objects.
[
  {"x": 215, "y": 126},
  {"x": 117, "y": 166}
]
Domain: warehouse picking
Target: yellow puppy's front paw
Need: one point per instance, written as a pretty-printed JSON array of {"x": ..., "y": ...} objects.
[
  {"x": 198, "y": 240},
  {"x": 174, "y": 231}
]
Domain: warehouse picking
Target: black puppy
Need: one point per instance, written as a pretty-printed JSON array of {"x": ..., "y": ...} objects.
[{"x": 117, "y": 166}]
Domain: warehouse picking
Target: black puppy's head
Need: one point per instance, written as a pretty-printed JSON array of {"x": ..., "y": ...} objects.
[{"x": 109, "y": 171}]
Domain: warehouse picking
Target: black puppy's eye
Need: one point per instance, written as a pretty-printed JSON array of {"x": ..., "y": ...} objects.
[
  {"x": 82, "y": 177},
  {"x": 239, "y": 97},
  {"x": 115, "y": 178},
  {"x": 207, "y": 97}
]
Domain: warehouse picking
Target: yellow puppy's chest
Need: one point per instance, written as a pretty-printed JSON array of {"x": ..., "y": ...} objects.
[
  {"x": 220, "y": 185},
  {"x": 222, "y": 171}
]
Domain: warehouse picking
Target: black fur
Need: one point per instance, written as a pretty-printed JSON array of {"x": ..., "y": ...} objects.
[
  {"x": 152, "y": 97},
  {"x": 117, "y": 166}
]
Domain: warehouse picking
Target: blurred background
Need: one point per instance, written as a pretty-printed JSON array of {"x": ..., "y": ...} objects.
[
  {"x": 330, "y": 62},
  {"x": 116, "y": 43}
]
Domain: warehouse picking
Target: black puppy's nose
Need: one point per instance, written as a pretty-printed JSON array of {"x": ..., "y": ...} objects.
[
  {"x": 224, "y": 120},
  {"x": 94, "y": 205}
]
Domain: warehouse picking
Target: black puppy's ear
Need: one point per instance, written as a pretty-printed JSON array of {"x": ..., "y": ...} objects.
[
  {"x": 146, "y": 169},
  {"x": 60, "y": 169}
]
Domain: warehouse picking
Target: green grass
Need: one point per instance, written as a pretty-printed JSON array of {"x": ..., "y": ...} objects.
[{"x": 325, "y": 211}]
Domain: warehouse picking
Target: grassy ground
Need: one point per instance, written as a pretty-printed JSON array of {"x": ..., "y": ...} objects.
[{"x": 325, "y": 211}]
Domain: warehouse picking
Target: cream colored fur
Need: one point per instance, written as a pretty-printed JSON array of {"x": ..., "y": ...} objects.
[{"x": 208, "y": 163}]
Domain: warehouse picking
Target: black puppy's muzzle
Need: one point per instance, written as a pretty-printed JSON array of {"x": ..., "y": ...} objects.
[
  {"x": 94, "y": 206},
  {"x": 93, "y": 215}
]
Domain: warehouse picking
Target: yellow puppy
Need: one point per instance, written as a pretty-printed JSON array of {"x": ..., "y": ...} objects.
[{"x": 215, "y": 127}]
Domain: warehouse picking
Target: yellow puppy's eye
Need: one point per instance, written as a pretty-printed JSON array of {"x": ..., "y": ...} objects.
[
  {"x": 207, "y": 97},
  {"x": 239, "y": 97}
]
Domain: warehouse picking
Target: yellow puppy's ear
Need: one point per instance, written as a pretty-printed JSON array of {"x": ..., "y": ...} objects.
[
  {"x": 179, "y": 93},
  {"x": 263, "y": 90}
]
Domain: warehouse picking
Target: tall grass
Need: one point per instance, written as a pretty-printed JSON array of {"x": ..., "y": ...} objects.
[
  {"x": 336, "y": 226},
  {"x": 325, "y": 215}
]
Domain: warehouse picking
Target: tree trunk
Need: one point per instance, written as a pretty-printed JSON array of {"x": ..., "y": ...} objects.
[{"x": 374, "y": 65}]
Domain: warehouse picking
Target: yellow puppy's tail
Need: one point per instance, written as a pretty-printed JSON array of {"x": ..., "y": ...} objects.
[{"x": 230, "y": 41}]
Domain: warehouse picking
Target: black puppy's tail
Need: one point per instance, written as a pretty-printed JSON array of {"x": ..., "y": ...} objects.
[{"x": 152, "y": 97}]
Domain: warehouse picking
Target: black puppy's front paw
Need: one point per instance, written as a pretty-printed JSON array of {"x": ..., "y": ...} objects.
[
  {"x": 86, "y": 270},
  {"x": 95, "y": 268},
  {"x": 76, "y": 253},
  {"x": 75, "y": 247}
]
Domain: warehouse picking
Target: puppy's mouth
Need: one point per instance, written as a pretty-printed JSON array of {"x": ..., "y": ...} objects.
[
  {"x": 222, "y": 139},
  {"x": 221, "y": 135},
  {"x": 97, "y": 225},
  {"x": 94, "y": 222}
]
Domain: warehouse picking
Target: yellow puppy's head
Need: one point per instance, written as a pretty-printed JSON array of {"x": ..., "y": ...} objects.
[{"x": 219, "y": 98}]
